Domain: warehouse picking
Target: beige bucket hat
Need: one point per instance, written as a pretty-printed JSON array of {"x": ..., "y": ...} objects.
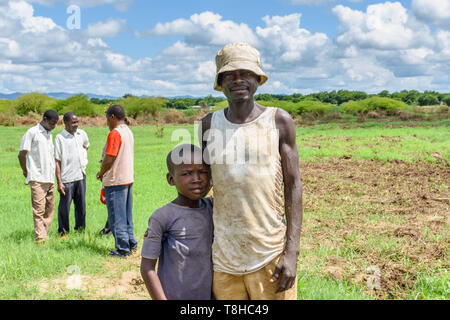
[{"x": 237, "y": 56}]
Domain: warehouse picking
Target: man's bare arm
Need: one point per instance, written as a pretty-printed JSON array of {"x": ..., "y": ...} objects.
[
  {"x": 106, "y": 165},
  {"x": 23, "y": 161},
  {"x": 205, "y": 126},
  {"x": 286, "y": 269},
  {"x": 61, "y": 188}
]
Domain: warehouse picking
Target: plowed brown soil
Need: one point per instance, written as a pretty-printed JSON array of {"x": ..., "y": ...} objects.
[{"x": 394, "y": 216}]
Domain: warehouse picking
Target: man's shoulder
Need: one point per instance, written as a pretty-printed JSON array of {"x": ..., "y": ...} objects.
[
  {"x": 60, "y": 135},
  {"x": 207, "y": 119},
  {"x": 34, "y": 129},
  {"x": 81, "y": 132},
  {"x": 283, "y": 118}
]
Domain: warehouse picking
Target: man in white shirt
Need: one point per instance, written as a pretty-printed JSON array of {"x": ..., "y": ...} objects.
[
  {"x": 36, "y": 158},
  {"x": 71, "y": 160}
]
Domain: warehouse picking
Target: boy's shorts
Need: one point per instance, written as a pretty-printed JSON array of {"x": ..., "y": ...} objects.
[{"x": 251, "y": 286}]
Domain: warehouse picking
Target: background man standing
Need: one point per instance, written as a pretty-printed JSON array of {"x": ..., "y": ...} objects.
[
  {"x": 117, "y": 176},
  {"x": 71, "y": 147},
  {"x": 36, "y": 158},
  {"x": 254, "y": 251}
]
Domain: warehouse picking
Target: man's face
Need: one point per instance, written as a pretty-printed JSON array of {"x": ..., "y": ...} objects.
[
  {"x": 72, "y": 125},
  {"x": 239, "y": 85},
  {"x": 49, "y": 124},
  {"x": 110, "y": 121}
]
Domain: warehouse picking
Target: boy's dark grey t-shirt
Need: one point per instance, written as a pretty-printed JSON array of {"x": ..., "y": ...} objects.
[{"x": 181, "y": 238}]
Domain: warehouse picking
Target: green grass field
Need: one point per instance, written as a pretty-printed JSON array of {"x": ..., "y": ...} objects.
[{"x": 351, "y": 221}]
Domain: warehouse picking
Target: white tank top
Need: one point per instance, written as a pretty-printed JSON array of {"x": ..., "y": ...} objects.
[{"x": 249, "y": 226}]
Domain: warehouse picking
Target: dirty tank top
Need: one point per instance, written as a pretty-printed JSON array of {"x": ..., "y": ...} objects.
[{"x": 249, "y": 226}]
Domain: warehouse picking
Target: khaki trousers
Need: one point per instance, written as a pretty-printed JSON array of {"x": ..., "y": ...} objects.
[
  {"x": 43, "y": 204},
  {"x": 251, "y": 286}
]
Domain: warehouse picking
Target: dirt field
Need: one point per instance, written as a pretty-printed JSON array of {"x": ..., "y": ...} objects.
[{"x": 390, "y": 215}]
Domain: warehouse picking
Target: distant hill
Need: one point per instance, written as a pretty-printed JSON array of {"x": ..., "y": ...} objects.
[
  {"x": 56, "y": 95},
  {"x": 65, "y": 95}
]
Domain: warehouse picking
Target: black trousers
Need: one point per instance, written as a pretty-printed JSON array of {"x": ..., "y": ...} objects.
[{"x": 75, "y": 191}]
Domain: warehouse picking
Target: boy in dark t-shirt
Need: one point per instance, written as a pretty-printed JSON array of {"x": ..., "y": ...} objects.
[{"x": 180, "y": 234}]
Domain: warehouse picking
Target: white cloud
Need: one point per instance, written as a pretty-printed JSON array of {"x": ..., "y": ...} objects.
[
  {"x": 393, "y": 42},
  {"x": 206, "y": 28},
  {"x": 384, "y": 26},
  {"x": 284, "y": 43},
  {"x": 24, "y": 12},
  {"x": 432, "y": 11},
  {"x": 108, "y": 29}
]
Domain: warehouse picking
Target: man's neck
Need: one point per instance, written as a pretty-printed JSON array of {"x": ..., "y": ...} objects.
[
  {"x": 239, "y": 111},
  {"x": 43, "y": 126},
  {"x": 242, "y": 111},
  {"x": 118, "y": 123}
]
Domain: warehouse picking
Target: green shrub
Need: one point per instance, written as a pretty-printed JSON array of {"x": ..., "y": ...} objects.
[
  {"x": 289, "y": 106},
  {"x": 135, "y": 106},
  {"x": 33, "y": 102},
  {"x": 388, "y": 105},
  {"x": 8, "y": 115},
  {"x": 314, "y": 107},
  {"x": 428, "y": 100},
  {"x": 78, "y": 104},
  {"x": 446, "y": 99},
  {"x": 5, "y": 105},
  {"x": 190, "y": 112},
  {"x": 353, "y": 107}
]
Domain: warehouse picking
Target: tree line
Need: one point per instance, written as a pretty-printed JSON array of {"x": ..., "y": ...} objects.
[{"x": 344, "y": 101}]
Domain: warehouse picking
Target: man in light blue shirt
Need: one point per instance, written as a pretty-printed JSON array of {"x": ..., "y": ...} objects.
[{"x": 71, "y": 160}]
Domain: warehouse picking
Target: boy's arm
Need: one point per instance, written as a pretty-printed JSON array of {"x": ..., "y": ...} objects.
[
  {"x": 286, "y": 269},
  {"x": 151, "y": 279}
]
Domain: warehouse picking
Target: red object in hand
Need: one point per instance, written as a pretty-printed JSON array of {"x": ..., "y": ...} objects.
[{"x": 102, "y": 196}]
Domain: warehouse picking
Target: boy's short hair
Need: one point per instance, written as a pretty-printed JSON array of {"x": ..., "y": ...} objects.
[
  {"x": 178, "y": 156},
  {"x": 50, "y": 115}
]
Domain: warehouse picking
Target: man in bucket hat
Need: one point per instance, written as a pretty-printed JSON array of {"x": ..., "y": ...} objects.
[{"x": 254, "y": 163}]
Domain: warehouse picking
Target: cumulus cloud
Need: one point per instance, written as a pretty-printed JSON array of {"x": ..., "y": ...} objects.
[
  {"x": 286, "y": 44},
  {"x": 394, "y": 40},
  {"x": 382, "y": 26},
  {"x": 108, "y": 29},
  {"x": 433, "y": 11},
  {"x": 204, "y": 28}
]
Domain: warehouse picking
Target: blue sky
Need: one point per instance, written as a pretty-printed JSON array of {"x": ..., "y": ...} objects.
[{"x": 168, "y": 47}]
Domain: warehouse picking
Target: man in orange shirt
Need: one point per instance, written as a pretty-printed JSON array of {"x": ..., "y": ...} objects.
[{"x": 117, "y": 176}]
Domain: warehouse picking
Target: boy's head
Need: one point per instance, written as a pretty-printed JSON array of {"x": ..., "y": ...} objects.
[{"x": 188, "y": 172}]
